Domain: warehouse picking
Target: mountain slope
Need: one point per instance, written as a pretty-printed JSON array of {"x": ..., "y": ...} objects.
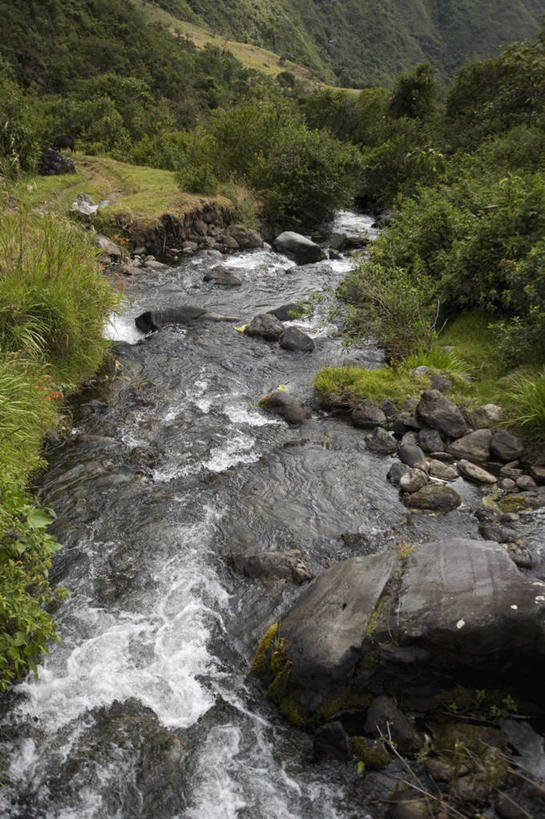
[{"x": 366, "y": 42}]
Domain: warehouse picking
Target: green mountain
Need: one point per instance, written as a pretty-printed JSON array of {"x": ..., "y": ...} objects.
[{"x": 368, "y": 42}]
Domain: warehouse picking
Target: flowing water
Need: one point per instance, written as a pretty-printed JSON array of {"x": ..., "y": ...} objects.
[{"x": 146, "y": 709}]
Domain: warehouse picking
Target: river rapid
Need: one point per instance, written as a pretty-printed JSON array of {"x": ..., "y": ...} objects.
[{"x": 145, "y": 708}]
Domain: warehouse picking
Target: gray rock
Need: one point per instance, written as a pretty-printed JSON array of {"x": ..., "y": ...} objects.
[
  {"x": 520, "y": 555},
  {"x": 396, "y": 472},
  {"x": 421, "y": 371},
  {"x": 506, "y": 446},
  {"x": 485, "y": 416},
  {"x": 496, "y": 531},
  {"x": 111, "y": 250},
  {"x": 437, "y": 469},
  {"x": 440, "y": 413},
  {"x": 474, "y": 447},
  {"x": 348, "y": 240},
  {"x": 288, "y": 312},
  {"x": 83, "y": 206},
  {"x": 152, "y": 320},
  {"x": 297, "y": 247},
  {"x": 381, "y": 441},
  {"x": 367, "y": 415},
  {"x": 222, "y": 276},
  {"x": 404, "y": 422},
  {"x": 410, "y": 404},
  {"x": 266, "y": 326},
  {"x": 472, "y": 472},
  {"x": 525, "y": 482},
  {"x": 410, "y": 438},
  {"x": 294, "y": 339},
  {"x": 430, "y": 440},
  {"x": 413, "y": 456},
  {"x": 272, "y": 566},
  {"x": 282, "y": 403},
  {"x": 385, "y": 719},
  {"x": 433, "y": 498},
  {"x": 537, "y": 473},
  {"x": 246, "y": 238},
  {"x": 389, "y": 408},
  {"x": 413, "y": 480},
  {"x": 440, "y": 382},
  {"x": 53, "y": 163}
]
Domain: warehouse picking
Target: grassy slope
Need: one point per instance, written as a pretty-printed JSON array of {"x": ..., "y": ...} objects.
[
  {"x": 136, "y": 193},
  {"x": 369, "y": 41}
]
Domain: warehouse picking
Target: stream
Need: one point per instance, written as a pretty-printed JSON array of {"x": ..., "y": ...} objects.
[{"x": 145, "y": 707}]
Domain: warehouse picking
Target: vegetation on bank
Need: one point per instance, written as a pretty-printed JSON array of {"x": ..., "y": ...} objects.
[{"x": 53, "y": 304}]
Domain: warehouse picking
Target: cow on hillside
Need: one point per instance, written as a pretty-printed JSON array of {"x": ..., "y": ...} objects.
[{"x": 63, "y": 141}]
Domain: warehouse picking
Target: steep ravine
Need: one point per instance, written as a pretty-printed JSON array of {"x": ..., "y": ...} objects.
[{"x": 145, "y": 708}]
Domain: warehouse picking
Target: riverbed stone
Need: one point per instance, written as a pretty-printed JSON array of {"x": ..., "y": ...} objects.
[
  {"x": 297, "y": 247},
  {"x": 405, "y": 422},
  {"x": 432, "y": 498},
  {"x": 331, "y": 741},
  {"x": 381, "y": 441},
  {"x": 474, "y": 473},
  {"x": 389, "y": 408},
  {"x": 385, "y": 719},
  {"x": 537, "y": 473},
  {"x": 440, "y": 382},
  {"x": 288, "y": 312},
  {"x": 294, "y": 339},
  {"x": 413, "y": 457},
  {"x": 266, "y": 326},
  {"x": 505, "y": 445},
  {"x": 486, "y": 415},
  {"x": 246, "y": 238},
  {"x": 438, "y": 469},
  {"x": 413, "y": 480},
  {"x": 409, "y": 439},
  {"x": 222, "y": 276},
  {"x": 525, "y": 483},
  {"x": 396, "y": 472},
  {"x": 438, "y": 412},
  {"x": 367, "y": 415},
  {"x": 430, "y": 440},
  {"x": 282, "y": 403},
  {"x": 475, "y": 446},
  {"x": 288, "y": 566}
]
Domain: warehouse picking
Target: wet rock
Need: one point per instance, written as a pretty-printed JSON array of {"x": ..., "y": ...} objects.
[
  {"x": 511, "y": 470},
  {"x": 409, "y": 439},
  {"x": 408, "y": 804},
  {"x": 506, "y": 446},
  {"x": 53, "y": 163},
  {"x": 282, "y": 403},
  {"x": 152, "y": 320},
  {"x": 372, "y": 752},
  {"x": 440, "y": 382},
  {"x": 433, "y": 498},
  {"x": 413, "y": 457},
  {"x": 288, "y": 312},
  {"x": 405, "y": 422},
  {"x": 246, "y": 238},
  {"x": 265, "y": 326},
  {"x": 367, "y": 415},
  {"x": 430, "y": 440},
  {"x": 474, "y": 473},
  {"x": 222, "y": 276},
  {"x": 440, "y": 413},
  {"x": 294, "y": 339},
  {"x": 520, "y": 555},
  {"x": 331, "y": 741},
  {"x": 381, "y": 441},
  {"x": 389, "y": 409},
  {"x": 537, "y": 473},
  {"x": 272, "y": 565},
  {"x": 298, "y": 248},
  {"x": 413, "y": 480},
  {"x": 474, "y": 447},
  {"x": 496, "y": 531},
  {"x": 396, "y": 472},
  {"x": 385, "y": 719},
  {"x": 507, "y": 807},
  {"x": 143, "y": 457},
  {"x": 410, "y": 404},
  {"x": 459, "y": 604},
  {"x": 358, "y": 541},
  {"x": 438, "y": 469},
  {"x": 507, "y": 484}
]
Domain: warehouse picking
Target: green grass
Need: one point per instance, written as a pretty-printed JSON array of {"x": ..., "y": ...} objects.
[{"x": 526, "y": 401}]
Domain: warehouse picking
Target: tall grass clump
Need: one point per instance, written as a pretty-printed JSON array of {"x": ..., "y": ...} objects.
[
  {"x": 526, "y": 396},
  {"x": 53, "y": 305}
]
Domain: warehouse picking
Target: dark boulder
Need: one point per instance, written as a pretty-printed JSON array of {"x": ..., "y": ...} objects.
[
  {"x": 413, "y": 457},
  {"x": 298, "y": 248},
  {"x": 381, "y": 441},
  {"x": 396, "y": 472},
  {"x": 430, "y": 440},
  {"x": 474, "y": 447},
  {"x": 53, "y": 163},
  {"x": 183, "y": 314},
  {"x": 331, "y": 741},
  {"x": 280, "y": 402},
  {"x": 294, "y": 339},
  {"x": 288, "y": 312},
  {"x": 440, "y": 413},
  {"x": 246, "y": 238},
  {"x": 367, "y": 415},
  {"x": 433, "y": 498},
  {"x": 506, "y": 446},
  {"x": 472, "y": 472},
  {"x": 222, "y": 276},
  {"x": 265, "y": 326},
  {"x": 385, "y": 719},
  {"x": 272, "y": 566},
  {"x": 413, "y": 480}
]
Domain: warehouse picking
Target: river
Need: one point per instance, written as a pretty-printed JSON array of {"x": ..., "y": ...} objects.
[{"x": 145, "y": 707}]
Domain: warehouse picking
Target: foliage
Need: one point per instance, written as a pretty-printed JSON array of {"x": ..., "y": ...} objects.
[
  {"x": 416, "y": 93},
  {"x": 19, "y": 147},
  {"x": 526, "y": 395},
  {"x": 53, "y": 305}
]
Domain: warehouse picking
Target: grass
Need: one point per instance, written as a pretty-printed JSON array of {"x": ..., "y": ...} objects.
[
  {"x": 137, "y": 195},
  {"x": 474, "y": 368}
]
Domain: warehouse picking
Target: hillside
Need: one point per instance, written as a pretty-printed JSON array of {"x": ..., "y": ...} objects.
[{"x": 366, "y": 42}]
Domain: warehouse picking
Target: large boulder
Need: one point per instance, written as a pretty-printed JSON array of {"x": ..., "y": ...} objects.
[
  {"x": 453, "y": 610},
  {"x": 298, "y": 248},
  {"x": 245, "y": 238},
  {"x": 367, "y": 415},
  {"x": 433, "y": 498},
  {"x": 282, "y": 403},
  {"x": 506, "y": 446},
  {"x": 438, "y": 412},
  {"x": 53, "y": 163},
  {"x": 472, "y": 472},
  {"x": 222, "y": 276},
  {"x": 294, "y": 339}
]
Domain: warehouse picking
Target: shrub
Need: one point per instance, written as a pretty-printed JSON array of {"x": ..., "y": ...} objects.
[{"x": 527, "y": 399}]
